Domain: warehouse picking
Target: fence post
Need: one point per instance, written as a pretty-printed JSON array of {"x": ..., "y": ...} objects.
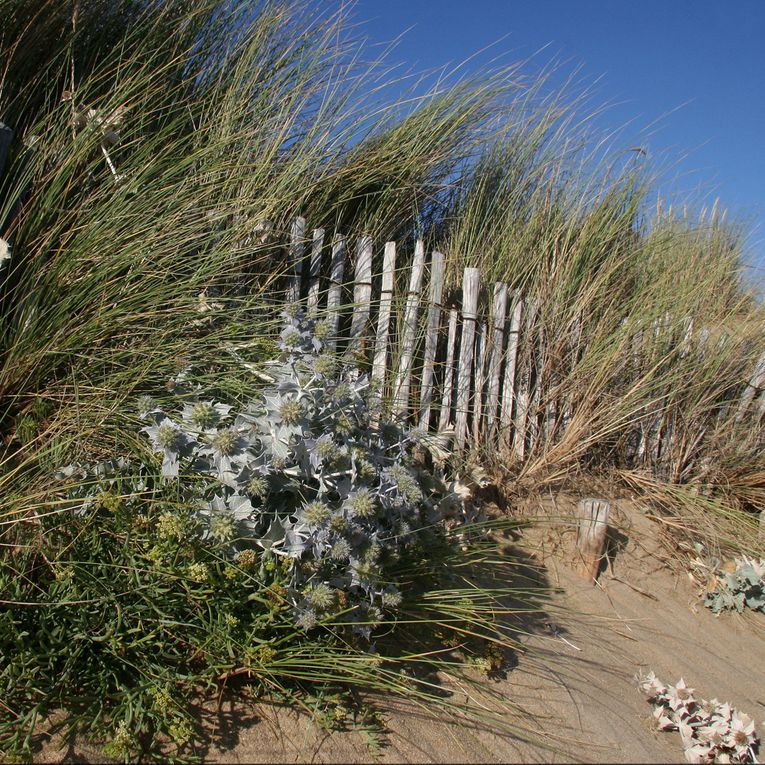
[
  {"x": 591, "y": 536},
  {"x": 480, "y": 380},
  {"x": 498, "y": 311},
  {"x": 296, "y": 253},
  {"x": 380, "y": 362},
  {"x": 404, "y": 374},
  {"x": 335, "y": 288},
  {"x": 446, "y": 396},
  {"x": 315, "y": 269},
  {"x": 431, "y": 338},
  {"x": 524, "y": 385},
  {"x": 464, "y": 370},
  {"x": 362, "y": 294},
  {"x": 508, "y": 389},
  {"x": 755, "y": 383}
]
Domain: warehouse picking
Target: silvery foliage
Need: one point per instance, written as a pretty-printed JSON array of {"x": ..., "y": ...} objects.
[
  {"x": 710, "y": 731},
  {"x": 305, "y": 474},
  {"x": 732, "y": 585},
  {"x": 735, "y": 590}
]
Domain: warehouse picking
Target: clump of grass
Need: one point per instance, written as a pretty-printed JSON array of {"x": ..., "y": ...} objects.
[{"x": 152, "y": 141}]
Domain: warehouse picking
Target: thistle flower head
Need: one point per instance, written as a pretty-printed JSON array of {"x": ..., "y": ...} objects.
[
  {"x": 344, "y": 425},
  {"x": 325, "y": 448},
  {"x": 257, "y": 486},
  {"x": 340, "y": 393},
  {"x": 315, "y": 513},
  {"x": 225, "y": 441},
  {"x": 361, "y": 504},
  {"x": 291, "y": 337},
  {"x": 340, "y": 550},
  {"x": 321, "y": 596},
  {"x": 339, "y": 523},
  {"x": 144, "y": 405},
  {"x": 321, "y": 330},
  {"x": 168, "y": 437},
  {"x": 307, "y": 619},
  {"x": 391, "y": 598},
  {"x": 203, "y": 415},
  {"x": 324, "y": 365},
  {"x": 291, "y": 411}
]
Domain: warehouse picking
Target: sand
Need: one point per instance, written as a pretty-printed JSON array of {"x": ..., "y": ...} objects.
[{"x": 573, "y": 687}]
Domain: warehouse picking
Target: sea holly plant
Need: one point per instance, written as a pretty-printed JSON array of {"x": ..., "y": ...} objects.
[
  {"x": 710, "y": 731},
  {"x": 732, "y": 585},
  {"x": 739, "y": 588},
  {"x": 303, "y": 474}
]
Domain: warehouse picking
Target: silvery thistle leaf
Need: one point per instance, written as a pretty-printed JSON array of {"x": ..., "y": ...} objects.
[
  {"x": 168, "y": 440},
  {"x": 651, "y": 685},
  {"x": 296, "y": 539},
  {"x": 713, "y": 733},
  {"x": 228, "y": 451},
  {"x": 204, "y": 416},
  {"x": 679, "y": 696},
  {"x": 274, "y": 538},
  {"x": 741, "y": 736},
  {"x": 241, "y": 507},
  {"x": 664, "y": 721},
  {"x": 755, "y": 599}
]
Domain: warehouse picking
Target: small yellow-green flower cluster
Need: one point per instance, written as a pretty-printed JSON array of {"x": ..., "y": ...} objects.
[
  {"x": 170, "y": 526},
  {"x": 181, "y": 732},
  {"x": 223, "y": 528},
  {"x": 198, "y": 572}
]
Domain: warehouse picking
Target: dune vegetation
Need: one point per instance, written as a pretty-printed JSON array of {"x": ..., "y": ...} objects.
[{"x": 148, "y": 142}]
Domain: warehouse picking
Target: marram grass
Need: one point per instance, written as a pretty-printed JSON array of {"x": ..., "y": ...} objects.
[{"x": 152, "y": 141}]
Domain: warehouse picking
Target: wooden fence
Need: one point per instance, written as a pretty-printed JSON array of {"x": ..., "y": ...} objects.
[{"x": 475, "y": 366}]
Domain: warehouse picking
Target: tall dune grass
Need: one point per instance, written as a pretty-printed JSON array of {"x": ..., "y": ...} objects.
[{"x": 152, "y": 140}]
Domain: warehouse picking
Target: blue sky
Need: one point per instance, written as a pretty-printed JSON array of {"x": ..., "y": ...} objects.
[{"x": 687, "y": 79}]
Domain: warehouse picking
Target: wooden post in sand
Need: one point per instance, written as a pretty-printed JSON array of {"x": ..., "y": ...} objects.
[{"x": 591, "y": 536}]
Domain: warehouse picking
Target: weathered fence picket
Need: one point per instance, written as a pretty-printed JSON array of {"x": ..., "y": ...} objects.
[
  {"x": 470, "y": 287},
  {"x": 297, "y": 249},
  {"x": 431, "y": 336},
  {"x": 314, "y": 271},
  {"x": 380, "y": 361},
  {"x": 444, "y": 420},
  {"x": 334, "y": 295},
  {"x": 480, "y": 380},
  {"x": 362, "y": 295},
  {"x": 511, "y": 360},
  {"x": 409, "y": 333},
  {"x": 497, "y": 341}
]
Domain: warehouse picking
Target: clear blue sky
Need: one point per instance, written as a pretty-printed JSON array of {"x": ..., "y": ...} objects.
[{"x": 696, "y": 66}]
